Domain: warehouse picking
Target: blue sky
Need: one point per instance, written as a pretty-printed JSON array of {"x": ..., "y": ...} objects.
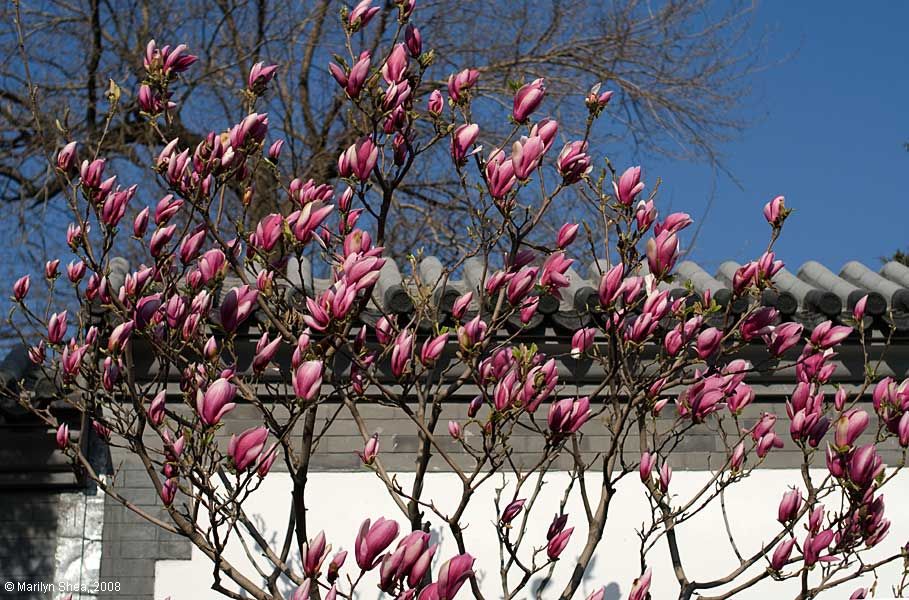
[{"x": 827, "y": 128}]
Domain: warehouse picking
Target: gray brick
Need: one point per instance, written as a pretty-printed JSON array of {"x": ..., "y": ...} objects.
[
  {"x": 134, "y": 587},
  {"x": 176, "y": 549},
  {"x": 697, "y": 443},
  {"x": 139, "y": 549},
  {"x": 133, "y": 567}
]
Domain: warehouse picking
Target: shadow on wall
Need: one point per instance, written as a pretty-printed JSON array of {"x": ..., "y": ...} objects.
[
  {"x": 541, "y": 587},
  {"x": 28, "y": 541}
]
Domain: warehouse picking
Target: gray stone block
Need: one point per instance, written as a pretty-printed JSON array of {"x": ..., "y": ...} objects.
[
  {"x": 175, "y": 549},
  {"x": 138, "y": 549}
]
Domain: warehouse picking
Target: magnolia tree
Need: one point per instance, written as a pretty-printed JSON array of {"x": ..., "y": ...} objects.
[{"x": 650, "y": 345}]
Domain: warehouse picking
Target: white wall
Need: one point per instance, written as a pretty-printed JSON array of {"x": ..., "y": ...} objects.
[{"x": 340, "y": 501}]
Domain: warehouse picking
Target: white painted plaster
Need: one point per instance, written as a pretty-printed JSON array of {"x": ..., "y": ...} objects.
[{"x": 340, "y": 501}]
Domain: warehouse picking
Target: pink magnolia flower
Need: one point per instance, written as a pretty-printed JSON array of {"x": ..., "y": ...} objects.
[
  {"x": 307, "y": 380},
  {"x": 56, "y": 327},
  {"x": 461, "y": 141},
  {"x": 472, "y": 333},
  {"x": 268, "y": 232},
  {"x": 155, "y": 411},
  {"x": 556, "y": 526},
  {"x": 62, "y": 436},
  {"x": 394, "y": 69},
  {"x": 432, "y": 349},
  {"x": 595, "y": 100},
  {"x": 370, "y": 450},
  {"x": 120, "y": 336},
  {"x": 435, "y": 104},
  {"x": 401, "y": 353},
  {"x": 73, "y": 235},
  {"x": 645, "y": 214},
  {"x": 789, "y": 506},
  {"x": 51, "y": 268},
  {"x": 567, "y": 416},
  {"x": 265, "y": 351},
  {"x": 759, "y": 323},
  {"x": 353, "y": 81},
  {"x": 567, "y": 234},
  {"x": 783, "y": 337},
  {"x": 315, "y": 551},
  {"x": 303, "y": 591},
  {"x": 413, "y": 40},
  {"x": 528, "y": 99},
  {"x": 826, "y": 335},
  {"x": 814, "y": 545},
  {"x": 76, "y": 271},
  {"x": 599, "y": 594},
  {"x": 213, "y": 264},
  {"x": 266, "y": 460},
  {"x": 582, "y": 341},
  {"x": 662, "y": 252},
  {"x": 557, "y": 544},
  {"x": 21, "y": 287},
  {"x": 166, "y": 208},
  {"x": 334, "y": 567},
  {"x": 645, "y": 469},
  {"x": 91, "y": 173},
  {"x": 168, "y": 60},
  {"x": 499, "y": 174},
  {"x": 521, "y": 284},
  {"x": 640, "y": 589},
  {"x": 396, "y": 94},
  {"x": 216, "y": 401},
  {"x": 628, "y": 186},
  {"x": 244, "y": 449},
  {"x": 546, "y": 130},
  {"x": 573, "y": 162},
  {"x": 864, "y": 466},
  {"x": 454, "y": 430},
  {"x": 37, "y": 353},
  {"x": 101, "y": 429},
  {"x": 372, "y": 540},
  {"x": 191, "y": 244},
  {"x": 384, "y": 330},
  {"x": 738, "y": 458},
  {"x": 858, "y": 311},
  {"x": 160, "y": 238},
  {"x": 665, "y": 476},
  {"x": 66, "y": 157},
  {"x": 775, "y": 211},
  {"x": 259, "y": 77},
  {"x": 169, "y": 491},
  {"x": 708, "y": 342},
  {"x": 361, "y": 14},
  {"x": 305, "y": 221},
  {"x": 237, "y": 306},
  {"x": 511, "y": 511},
  {"x": 460, "y": 83},
  {"x": 781, "y": 554},
  {"x": 903, "y": 430},
  {"x": 768, "y": 442},
  {"x": 452, "y": 575},
  {"x": 460, "y": 306},
  {"x": 274, "y": 151},
  {"x": 611, "y": 284},
  {"x": 526, "y": 154},
  {"x": 849, "y": 427},
  {"x": 359, "y": 159}
]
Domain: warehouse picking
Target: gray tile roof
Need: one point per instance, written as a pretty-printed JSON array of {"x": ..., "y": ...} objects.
[{"x": 814, "y": 293}]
